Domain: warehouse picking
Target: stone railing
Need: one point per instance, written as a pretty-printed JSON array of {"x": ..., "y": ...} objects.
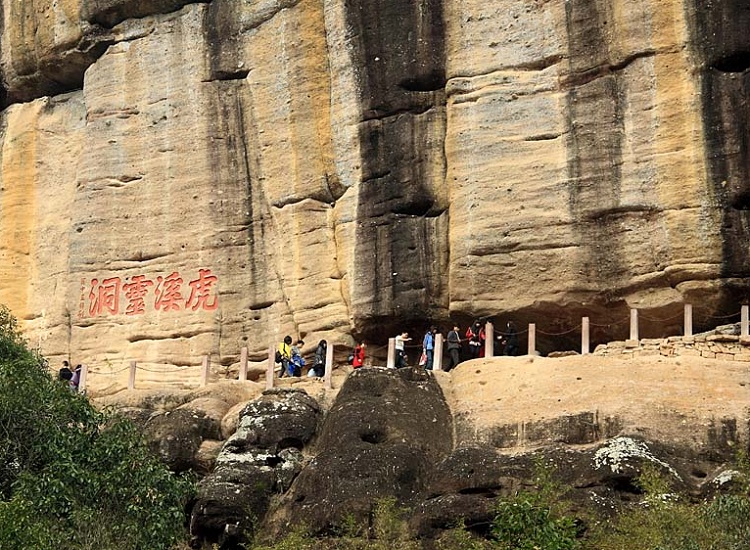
[{"x": 725, "y": 343}]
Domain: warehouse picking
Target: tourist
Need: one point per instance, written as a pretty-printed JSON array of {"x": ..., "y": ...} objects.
[
  {"x": 75, "y": 380},
  {"x": 454, "y": 347},
  {"x": 510, "y": 339},
  {"x": 319, "y": 364},
  {"x": 428, "y": 345},
  {"x": 296, "y": 361},
  {"x": 358, "y": 358},
  {"x": 284, "y": 354},
  {"x": 401, "y": 340},
  {"x": 475, "y": 335},
  {"x": 65, "y": 374}
]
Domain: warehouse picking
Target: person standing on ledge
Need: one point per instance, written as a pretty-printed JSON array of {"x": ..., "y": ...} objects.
[
  {"x": 428, "y": 343},
  {"x": 284, "y": 354},
  {"x": 359, "y": 355},
  {"x": 319, "y": 365},
  {"x": 454, "y": 347},
  {"x": 75, "y": 380},
  {"x": 475, "y": 335},
  {"x": 510, "y": 337},
  {"x": 401, "y": 340},
  {"x": 65, "y": 374}
]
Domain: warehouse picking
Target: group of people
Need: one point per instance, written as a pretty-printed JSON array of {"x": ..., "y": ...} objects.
[
  {"x": 292, "y": 362},
  {"x": 474, "y": 337},
  {"x": 290, "y": 358},
  {"x": 70, "y": 377}
]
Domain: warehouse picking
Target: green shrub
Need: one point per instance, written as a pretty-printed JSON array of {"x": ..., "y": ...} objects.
[
  {"x": 536, "y": 519},
  {"x": 72, "y": 476},
  {"x": 526, "y": 523},
  {"x": 666, "y": 521}
]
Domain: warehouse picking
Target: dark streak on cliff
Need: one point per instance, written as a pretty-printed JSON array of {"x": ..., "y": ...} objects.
[
  {"x": 721, "y": 45},
  {"x": 399, "y": 239},
  {"x": 596, "y": 133}
]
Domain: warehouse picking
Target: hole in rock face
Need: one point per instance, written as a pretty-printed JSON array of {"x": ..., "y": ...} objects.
[
  {"x": 373, "y": 437},
  {"x": 418, "y": 207},
  {"x": 424, "y": 83},
  {"x": 699, "y": 473},
  {"x": 624, "y": 484},
  {"x": 741, "y": 202},
  {"x": 273, "y": 461},
  {"x": 738, "y": 62},
  {"x": 288, "y": 442},
  {"x": 487, "y": 492}
]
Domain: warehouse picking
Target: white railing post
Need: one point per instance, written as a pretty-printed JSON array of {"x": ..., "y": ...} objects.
[
  {"x": 83, "y": 378},
  {"x": 131, "y": 378},
  {"x": 688, "y": 331},
  {"x": 585, "y": 336},
  {"x": 634, "y": 324},
  {"x": 204, "y": 371},
  {"x": 391, "y": 361},
  {"x": 243, "y": 364},
  {"x": 271, "y": 368},
  {"x": 744, "y": 321},
  {"x": 489, "y": 340},
  {"x": 437, "y": 359},
  {"x": 532, "y": 339},
  {"x": 329, "y": 367}
]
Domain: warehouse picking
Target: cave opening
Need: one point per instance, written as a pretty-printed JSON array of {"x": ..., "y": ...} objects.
[
  {"x": 738, "y": 62},
  {"x": 373, "y": 436},
  {"x": 742, "y": 201}
]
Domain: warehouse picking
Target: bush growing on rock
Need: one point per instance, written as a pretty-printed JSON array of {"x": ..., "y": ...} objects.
[
  {"x": 668, "y": 521},
  {"x": 72, "y": 476}
]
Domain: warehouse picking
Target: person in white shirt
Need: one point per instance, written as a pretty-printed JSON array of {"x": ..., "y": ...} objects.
[{"x": 401, "y": 339}]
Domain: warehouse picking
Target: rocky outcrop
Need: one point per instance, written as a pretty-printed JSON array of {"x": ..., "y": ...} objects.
[
  {"x": 185, "y": 429},
  {"x": 380, "y": 439},
  {"x": 177, "y": 436},
  {"x": 187, "y": 178},
  {"x": 259, "y": 460},
  {"x": 390, "y": 434}
]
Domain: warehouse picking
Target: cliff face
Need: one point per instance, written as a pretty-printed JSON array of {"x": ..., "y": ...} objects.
[{"x": 186, "y": 178}]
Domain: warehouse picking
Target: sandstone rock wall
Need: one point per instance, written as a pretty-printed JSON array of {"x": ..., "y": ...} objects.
[{"x": 185, "y": 178}]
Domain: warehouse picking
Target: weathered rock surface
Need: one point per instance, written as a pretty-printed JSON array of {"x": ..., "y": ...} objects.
[
  {"x": 186, "y": 429},
  {"x": 177, "y": 436},
  {"x": 260, "y": 459},
  {"x": 391, "y": 434},
  {"x": 379, "y": 439},
  {"x": 186, "y": 178}
]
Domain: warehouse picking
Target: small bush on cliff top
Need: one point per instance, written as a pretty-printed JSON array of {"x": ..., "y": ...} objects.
[{"x": 71, "y": 476}]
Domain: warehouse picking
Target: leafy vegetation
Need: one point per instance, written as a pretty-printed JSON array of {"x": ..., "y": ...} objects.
[
  {"x": 72, "y": 477},
  {"x": 666, "y": 521},
  {"x": 536, "y": 519}
]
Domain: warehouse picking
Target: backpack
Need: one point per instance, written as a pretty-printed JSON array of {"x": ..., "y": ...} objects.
[
  {"x": 350, "y": 359},
  {"x": 278, "y": 356}
]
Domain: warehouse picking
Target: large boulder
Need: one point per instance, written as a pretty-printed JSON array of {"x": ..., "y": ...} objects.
[
  {"x": 260, "y": 459},
  {"x": 383, "y": 437},
  {"x": 176, "y": 436}
]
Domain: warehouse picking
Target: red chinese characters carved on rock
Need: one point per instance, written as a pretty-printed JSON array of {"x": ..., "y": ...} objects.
[{"x": 104, "y": 295}]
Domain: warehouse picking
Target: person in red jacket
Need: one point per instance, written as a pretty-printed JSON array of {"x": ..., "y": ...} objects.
[
  {"x": 359, "y": 355},
  {"x": 475, "y": 336}
]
